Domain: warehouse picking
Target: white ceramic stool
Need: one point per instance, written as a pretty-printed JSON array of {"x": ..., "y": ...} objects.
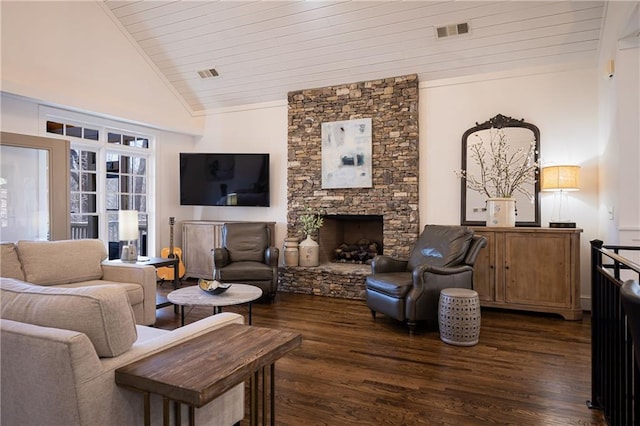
[{"x": 459, "y": 316}]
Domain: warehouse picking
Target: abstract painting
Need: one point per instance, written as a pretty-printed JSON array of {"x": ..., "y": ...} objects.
[{"x": 346, "y": 154}]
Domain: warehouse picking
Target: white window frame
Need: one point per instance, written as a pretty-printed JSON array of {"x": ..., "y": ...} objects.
[{"x": 101, "y": 147}]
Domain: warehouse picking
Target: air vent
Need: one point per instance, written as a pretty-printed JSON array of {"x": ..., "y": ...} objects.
[
  {"x": 452, "y": 30},
  {"x": 208, "y": 73}
]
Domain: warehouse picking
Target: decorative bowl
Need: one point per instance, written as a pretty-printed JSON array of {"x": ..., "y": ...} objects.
[{"x": 213, "y": 286}]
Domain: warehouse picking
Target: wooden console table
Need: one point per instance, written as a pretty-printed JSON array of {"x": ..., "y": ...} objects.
[
  {"x": 203, "y": 368},
  {"x": 530, "y": 269}
]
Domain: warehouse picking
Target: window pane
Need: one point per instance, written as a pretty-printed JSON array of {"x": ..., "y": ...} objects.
[
  {"x": 84, "y": 226},
  {"x": 126, "y": 203},
  {"x": 113, "y": 137},
  {"x": 139, "y": 166},
  {"x": 140, "y": 186},
  {"x": 125, "y": 183},
  {"x": 54, "y": 127},
  {"x": 91, "y": 134},
  {"x": 142, "y": 143},
  {"x": 89, "y": 182},
  {"x": 88, "y": 160},
  {"x": 74, "y": 131},
  {"x": 128, "y": 140},
  {"x": 125, "y": 164},
  {"x": 75, "y": 204},
  {"x": 74, "y": 159},
  {"x": 88, "y": 203},
  {"x": 140, "y": 203},
  {"x": 74, "y": 180}
]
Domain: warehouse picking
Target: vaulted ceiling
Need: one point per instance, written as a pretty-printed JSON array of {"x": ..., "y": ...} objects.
[{"x": 262, "y": 50}]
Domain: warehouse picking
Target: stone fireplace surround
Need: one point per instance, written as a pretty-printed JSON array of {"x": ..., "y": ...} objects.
[{"x": 392, "y": 104}]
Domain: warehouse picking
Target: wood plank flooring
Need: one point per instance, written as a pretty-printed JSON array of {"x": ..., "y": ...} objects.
[{"x": 527, "y": 369}]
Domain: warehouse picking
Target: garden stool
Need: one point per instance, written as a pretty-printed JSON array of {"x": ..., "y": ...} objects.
[{"x": 459, "y": 316}]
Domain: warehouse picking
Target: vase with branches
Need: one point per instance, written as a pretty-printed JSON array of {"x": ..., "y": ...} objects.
[
  {"x": 311, "y": 221},
  {"x": 503, "y": 170}
]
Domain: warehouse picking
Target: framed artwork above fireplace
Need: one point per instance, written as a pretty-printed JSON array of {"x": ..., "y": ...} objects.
[{"x": 346, "y": 154}]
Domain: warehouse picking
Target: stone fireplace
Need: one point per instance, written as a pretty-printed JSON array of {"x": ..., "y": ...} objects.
[{"x": 386, "y": 212}]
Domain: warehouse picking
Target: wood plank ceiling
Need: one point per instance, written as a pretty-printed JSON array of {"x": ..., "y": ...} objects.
[{"x": 262, "y": 50}]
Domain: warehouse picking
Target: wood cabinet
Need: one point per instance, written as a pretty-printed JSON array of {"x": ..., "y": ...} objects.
[
  {"x": 199, "y": 237},
  {"x": 532, "y": 269}
]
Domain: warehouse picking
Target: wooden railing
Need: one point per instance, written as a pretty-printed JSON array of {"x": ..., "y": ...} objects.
[{"x": 615, "y": 378}]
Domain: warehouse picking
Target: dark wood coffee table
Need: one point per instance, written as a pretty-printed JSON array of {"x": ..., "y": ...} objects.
[{"x": 203, "y": 368}]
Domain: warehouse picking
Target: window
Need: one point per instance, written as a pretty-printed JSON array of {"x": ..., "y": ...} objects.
[{"x": 109, "y": 171}]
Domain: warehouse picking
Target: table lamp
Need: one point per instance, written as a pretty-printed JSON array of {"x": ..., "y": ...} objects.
[
  {"x": 560, "y": 179},
  {"x": 128, "y": 232}
]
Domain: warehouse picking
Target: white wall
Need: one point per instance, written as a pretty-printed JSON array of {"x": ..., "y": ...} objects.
[
  {"x": 71, "y": 53},
  {"x": 564, "y": 107},
  {"x": 256, "y": 128}
]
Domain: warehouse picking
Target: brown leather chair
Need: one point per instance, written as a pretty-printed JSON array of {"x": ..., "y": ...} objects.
[
  {"x": 247, "y": 257},
  {"x": 409, "y": 290},
  {"x": 630, "y": 300}
]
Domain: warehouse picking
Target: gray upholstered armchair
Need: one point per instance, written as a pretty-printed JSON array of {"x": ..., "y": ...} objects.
[
  {"x": 246, "y": 257},
  {"x": 409, "y": 290}
]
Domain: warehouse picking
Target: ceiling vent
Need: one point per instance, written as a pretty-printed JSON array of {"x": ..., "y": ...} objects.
[
  {"x": 452, "y": 30},
  {"x": 208, "y": 73}
]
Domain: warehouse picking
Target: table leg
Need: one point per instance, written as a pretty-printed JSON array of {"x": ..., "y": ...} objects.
[
  {"x": 165, "y": 411},
  {"x": 264, "y": 399},
  {"x": 147, "y": 409},
  {"x": 192, "y": 415},
  {"x": 250, "y": 321},
  {"x": 182, "y": 315},
  {"x": 273, "y": 394},
  {"x": 253, "y": 414},
  {"x": 178, "y": 415}
]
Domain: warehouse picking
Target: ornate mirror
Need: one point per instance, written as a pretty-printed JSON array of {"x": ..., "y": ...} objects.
[{"x": 518, "y": 145}]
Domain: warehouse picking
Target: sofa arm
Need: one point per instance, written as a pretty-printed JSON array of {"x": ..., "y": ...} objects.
[{"x": 144, "y": 275}]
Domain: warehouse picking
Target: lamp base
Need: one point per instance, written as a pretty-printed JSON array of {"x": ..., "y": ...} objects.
[
  {"x": 562, "y": 224},
  {"x": 129, "y": 253}
]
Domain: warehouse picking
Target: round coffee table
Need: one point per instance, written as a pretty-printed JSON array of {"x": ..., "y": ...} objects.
[{"x": 237, "y": 294}]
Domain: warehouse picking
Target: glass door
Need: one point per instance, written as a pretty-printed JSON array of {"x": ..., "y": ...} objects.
[{"x": 34, "y": 188}]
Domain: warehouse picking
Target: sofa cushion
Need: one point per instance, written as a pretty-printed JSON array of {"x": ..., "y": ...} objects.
[
  {"x": 135, "y": 292},
  {"x": 61, "y": 262},
  {"x": 102, "y": 313},
  {"x": 10, "y": 266}
]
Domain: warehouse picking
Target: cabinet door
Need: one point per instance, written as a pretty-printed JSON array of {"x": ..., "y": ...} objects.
[
  {"x": 538, "y": 269},
  {"x": 484, "y": 269},
  {"x": 198, "y": 241}
]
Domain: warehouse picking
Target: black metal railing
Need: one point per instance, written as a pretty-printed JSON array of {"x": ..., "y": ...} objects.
[{"x": 615, "y": 378}]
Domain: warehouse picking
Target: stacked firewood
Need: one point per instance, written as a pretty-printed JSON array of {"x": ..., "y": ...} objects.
[{"x": 362, "y": 251}]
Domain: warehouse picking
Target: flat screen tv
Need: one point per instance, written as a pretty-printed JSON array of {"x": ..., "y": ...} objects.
[{"x": 224, "y": 179}]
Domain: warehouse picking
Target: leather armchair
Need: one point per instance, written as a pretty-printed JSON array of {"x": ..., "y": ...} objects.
[
  {"x": 247, "y": 257},
  {"x": 409, "y": 290}
]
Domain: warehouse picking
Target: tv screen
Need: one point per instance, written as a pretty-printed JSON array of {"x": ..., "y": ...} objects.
[{"x": 224, "y": 179}]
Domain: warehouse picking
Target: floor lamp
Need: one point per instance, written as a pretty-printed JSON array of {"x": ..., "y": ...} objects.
[
  {"x": 560, "y": 179},
  {"x": 128, "y": 232}
]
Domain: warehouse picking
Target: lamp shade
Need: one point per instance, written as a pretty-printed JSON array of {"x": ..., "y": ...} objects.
[
  {"x": 128, "y": 225},
  {"x": 560, "y": 178}
]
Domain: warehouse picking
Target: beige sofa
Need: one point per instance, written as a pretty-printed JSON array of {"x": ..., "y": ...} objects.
[
  {"x": 79, "y": 263},
  {"x": 59, "y": 348}
]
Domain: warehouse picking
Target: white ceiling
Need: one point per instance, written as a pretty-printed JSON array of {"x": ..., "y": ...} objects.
[{"x": 262, "y": 50}]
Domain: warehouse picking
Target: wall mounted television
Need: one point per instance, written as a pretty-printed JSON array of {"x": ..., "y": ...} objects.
[{"x": 212, "y": 179}]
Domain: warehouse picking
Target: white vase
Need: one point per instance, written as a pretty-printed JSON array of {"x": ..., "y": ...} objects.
[
  {"x": 501, "y": 212},
  {"x": 309, "y": 252}
]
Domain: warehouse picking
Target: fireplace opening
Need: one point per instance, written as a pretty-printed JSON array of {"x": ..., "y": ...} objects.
[{"x": 353, "y": 239}]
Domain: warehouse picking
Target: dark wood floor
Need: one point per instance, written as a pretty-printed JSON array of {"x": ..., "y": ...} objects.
[{"x": 528, "y": 369}]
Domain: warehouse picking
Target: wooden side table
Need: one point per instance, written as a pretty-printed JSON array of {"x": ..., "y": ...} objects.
[{"x": 203, "y": 368}]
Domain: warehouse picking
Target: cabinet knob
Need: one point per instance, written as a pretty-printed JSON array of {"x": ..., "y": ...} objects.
[{"x": 506, "y": 266}]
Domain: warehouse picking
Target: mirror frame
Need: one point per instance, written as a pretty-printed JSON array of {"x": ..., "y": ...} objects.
[{"x": 499, "y": 122}]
